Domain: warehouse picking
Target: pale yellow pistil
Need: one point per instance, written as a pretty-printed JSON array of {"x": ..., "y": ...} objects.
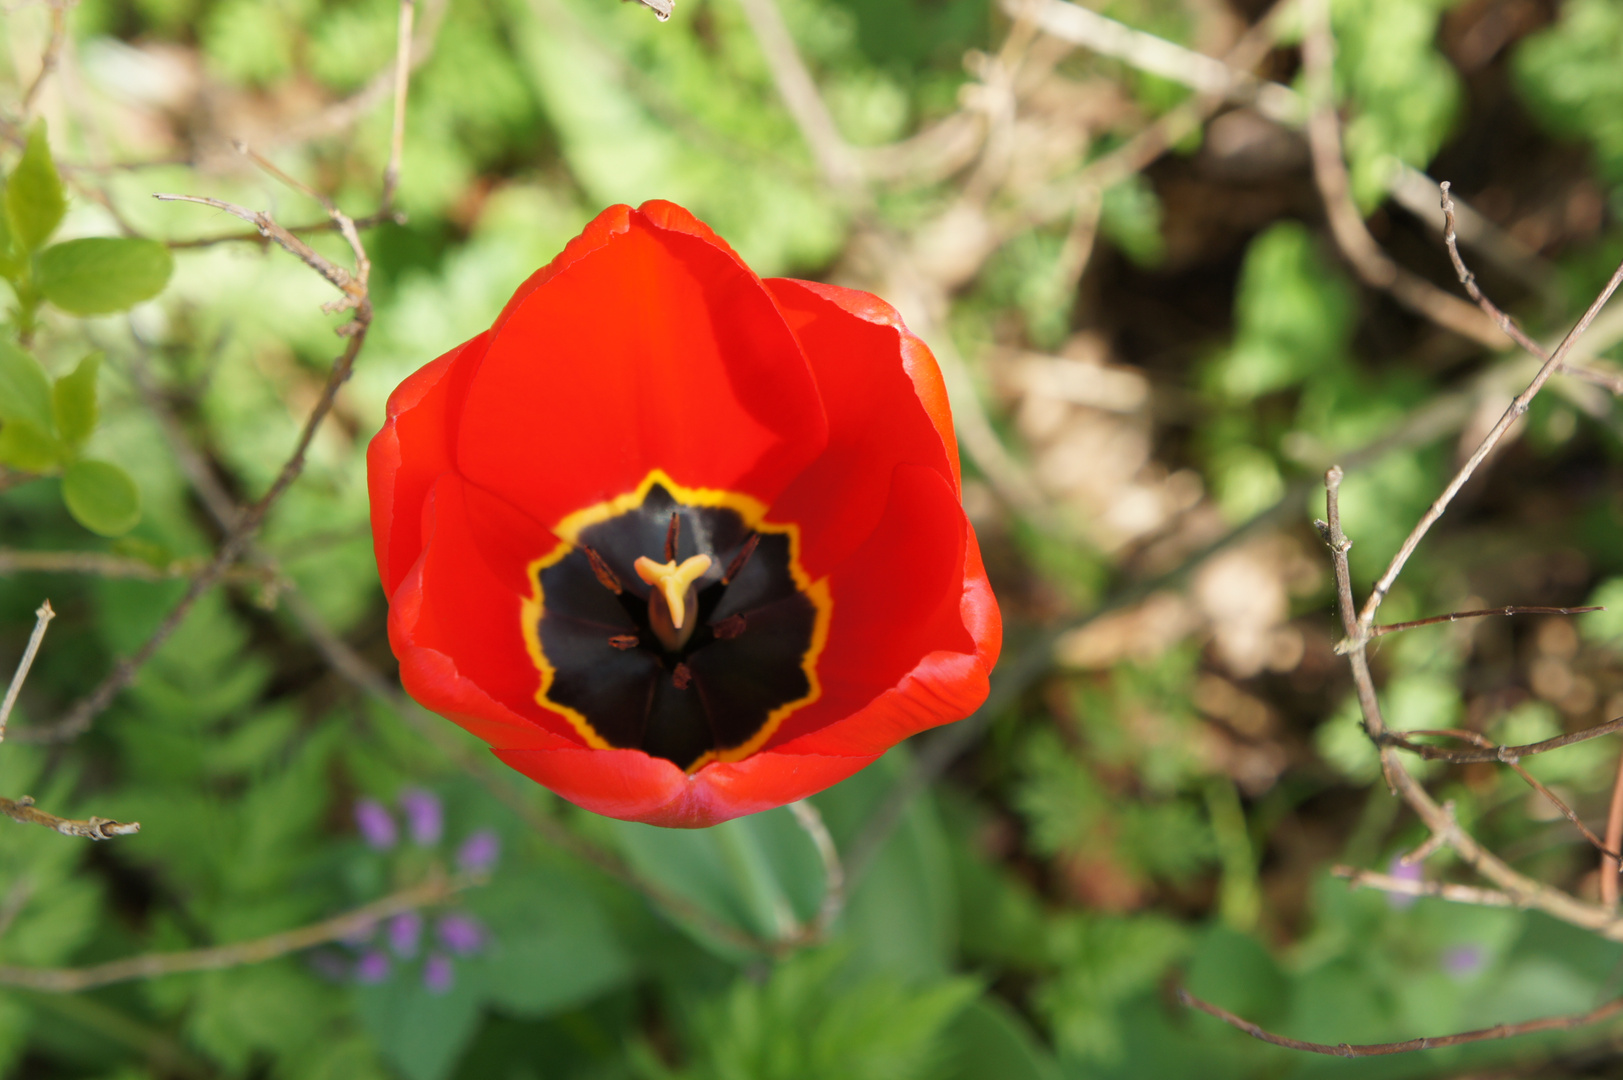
[{"x": 673, "y": 583}]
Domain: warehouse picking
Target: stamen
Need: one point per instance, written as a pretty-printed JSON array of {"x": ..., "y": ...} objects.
[
  {"x": 673, "y": 580},
  {"x": 728, "y": 628},
  {"x": 625, "y": 641},
  {"x": 682, "y": 676},
  {"x": 741, "y": 558},
  {"x": 605, "y": 576},
  {"x": 672, "y": 531}
]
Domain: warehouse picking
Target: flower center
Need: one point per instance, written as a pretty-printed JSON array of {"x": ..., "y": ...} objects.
[{"x": 694, "y": 657}]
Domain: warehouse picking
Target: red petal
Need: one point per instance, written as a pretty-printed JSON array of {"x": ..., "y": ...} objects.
[
  {"x": 886, "y": 406},
  {"x": 455, "y": 624},
  {"x": 408, "y": 454},
  {"x": 630, "y": 785},
  {"x": 655, "y": 349},
  {"x": 914, "y": 632}
]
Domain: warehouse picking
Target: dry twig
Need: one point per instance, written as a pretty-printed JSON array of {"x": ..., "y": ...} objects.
[
  {"x": 51, "y": 58},
  {"x": 42, "y": 619},
  {"x": 1353, "y": 1050},
  {"x": 1443, "y": 890},
  {"x": 437, "y": 889},
  {"x": 93, "y": 828},
  {"x": 811, "y": 821},
  {"x": 1456, "y": 616}
]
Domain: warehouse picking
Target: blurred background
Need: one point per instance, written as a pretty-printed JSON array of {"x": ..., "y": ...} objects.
[{"x": 1160, "y": 324}]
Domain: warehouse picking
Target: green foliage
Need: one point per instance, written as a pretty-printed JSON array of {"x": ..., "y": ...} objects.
[
  {"x": 101, "y": 496},
  {"x": 35, "y": 197},
  {"x": 1569, "y": 75},
  {"x": 100, "y": 275}
]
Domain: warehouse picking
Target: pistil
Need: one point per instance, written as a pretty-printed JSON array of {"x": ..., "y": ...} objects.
[{"x": 673, "y": 589}]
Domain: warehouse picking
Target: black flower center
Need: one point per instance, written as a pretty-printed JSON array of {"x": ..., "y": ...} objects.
[{"x": 673, "y": 621}]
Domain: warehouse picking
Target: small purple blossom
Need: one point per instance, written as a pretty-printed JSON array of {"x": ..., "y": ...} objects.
[
  {"x": 405, "y": 930},
  {"x": 376, "y": 825},
  {"x": 1403, "y": 872},
  {"x": 372, "y": 967},
  {"x": 479, "y": 852},
  {"x": 438, "y": 973},
  {"x": 425, "y": 816},
  {"x": 460, "y": 933},
  {"x": 1463, "y": 961}
]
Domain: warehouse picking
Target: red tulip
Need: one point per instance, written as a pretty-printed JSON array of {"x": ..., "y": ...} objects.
[{"x": 679, "y": 543}]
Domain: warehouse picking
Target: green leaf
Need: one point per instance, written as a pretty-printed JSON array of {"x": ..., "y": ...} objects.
[
  {"x": 24, "y": 446},
  {"x": 73, "y": 401},
  {"x": 102, "y": 274},
  {"x": 420, "y": 1032},
  {"x": 990, "y": 1041},
  {"x": 25, "y": 389},
  {"x": 102, "y": 497},
  {"x": 35, "y": 199}
]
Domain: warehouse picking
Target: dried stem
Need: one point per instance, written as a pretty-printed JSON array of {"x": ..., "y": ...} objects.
[
  {"x": 437, "y": 889},
  {"x": 1486, "y": 750},
  {"x": 811, "y": 821},
  {"x": 1455, "y": 616},
  {"x": 106, "y": 564},
  {"x": 1353, "y": 1050},
  {"x": 402, "y": 80},
  {"x": 1372, "y": 264},
  {"x": 42, "y": 618},
  {"x": 1442, "y": 890},
  {"x": 51, "y": 58},
  {"x": 1610, "y": 866},
  {"x": 93, "y": 828}
]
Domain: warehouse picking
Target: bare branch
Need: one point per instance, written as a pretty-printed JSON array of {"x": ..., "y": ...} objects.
[
  {"x": 437, "y": 889},
  {"x": 1487, "y": 750},
  {"x": 354, "y": 291},
  {"x": 42, "y": 619},
  {"x": 51, "y": 57},
  {"x": 1610, "y": 866},
  {"x": 361, "y": 223},
  {"x": 94, "y": 828},
  {"x": 1354, "y": 1050},
  {"x": 799, "y": 92},
  {"x": 1455, "y": 616},
  {"x": 106, "y": 564},
  {"x": 402, "y": 79},
  {"x": 1373, "y": 265},
  {"x": 1443, "y": 890}
]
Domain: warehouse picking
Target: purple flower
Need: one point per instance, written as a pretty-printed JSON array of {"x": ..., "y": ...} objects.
[
  {"x": 377, "y": 827},
  {"x": 372, "y": 967},
  {"x": 405, "y": 930},
  {"x": 425, "y": 816},
  {"x": 479, "y": 852},
  {"x": 1403, "y": 872},
  {"x": 1463, "y": 961},
  {"x": 460, "y": 933},
  {"x": 437, "y": 973}
]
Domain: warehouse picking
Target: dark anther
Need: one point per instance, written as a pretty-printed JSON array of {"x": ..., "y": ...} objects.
[
  {"x": 740, "y": 559},
  {"x": 624, "y": 641},
  {"x": 672, "y": 530},
  {"x": 728, "y": 628},
  {"x": 681, "y": 676},
  {"x": 604, "y": 574}
]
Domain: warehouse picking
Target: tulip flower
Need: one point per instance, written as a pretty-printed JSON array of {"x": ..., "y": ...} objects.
[{"x": 679, "y": 543}]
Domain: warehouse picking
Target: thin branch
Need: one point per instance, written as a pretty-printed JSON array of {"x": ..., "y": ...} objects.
[
  {"x": 1610, "y": 866},
  {"x": 51, "y": 58},
  {"x": 106, "y": 564},
  {"x": 42, "y": 618},
  {"x": 93, "y": 828},
  {"x": 1486, "y": 750},
  {"x": 437, "y": 889},
  {"x": 402, "y": 80},
  {"x": 1373, "y": 265},
  {"x": 1439, "y": 819},
  {"x": 1455, "y": 616},
  {"x": 811, "y": 821},
  {"x": 353, "y": 289},
  {"x": 1355, "y": 1050},
  {"x": 370, "y": 221},
  {"x": 1442, "y": 890},
  {"x": 799, "y": 92}
]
